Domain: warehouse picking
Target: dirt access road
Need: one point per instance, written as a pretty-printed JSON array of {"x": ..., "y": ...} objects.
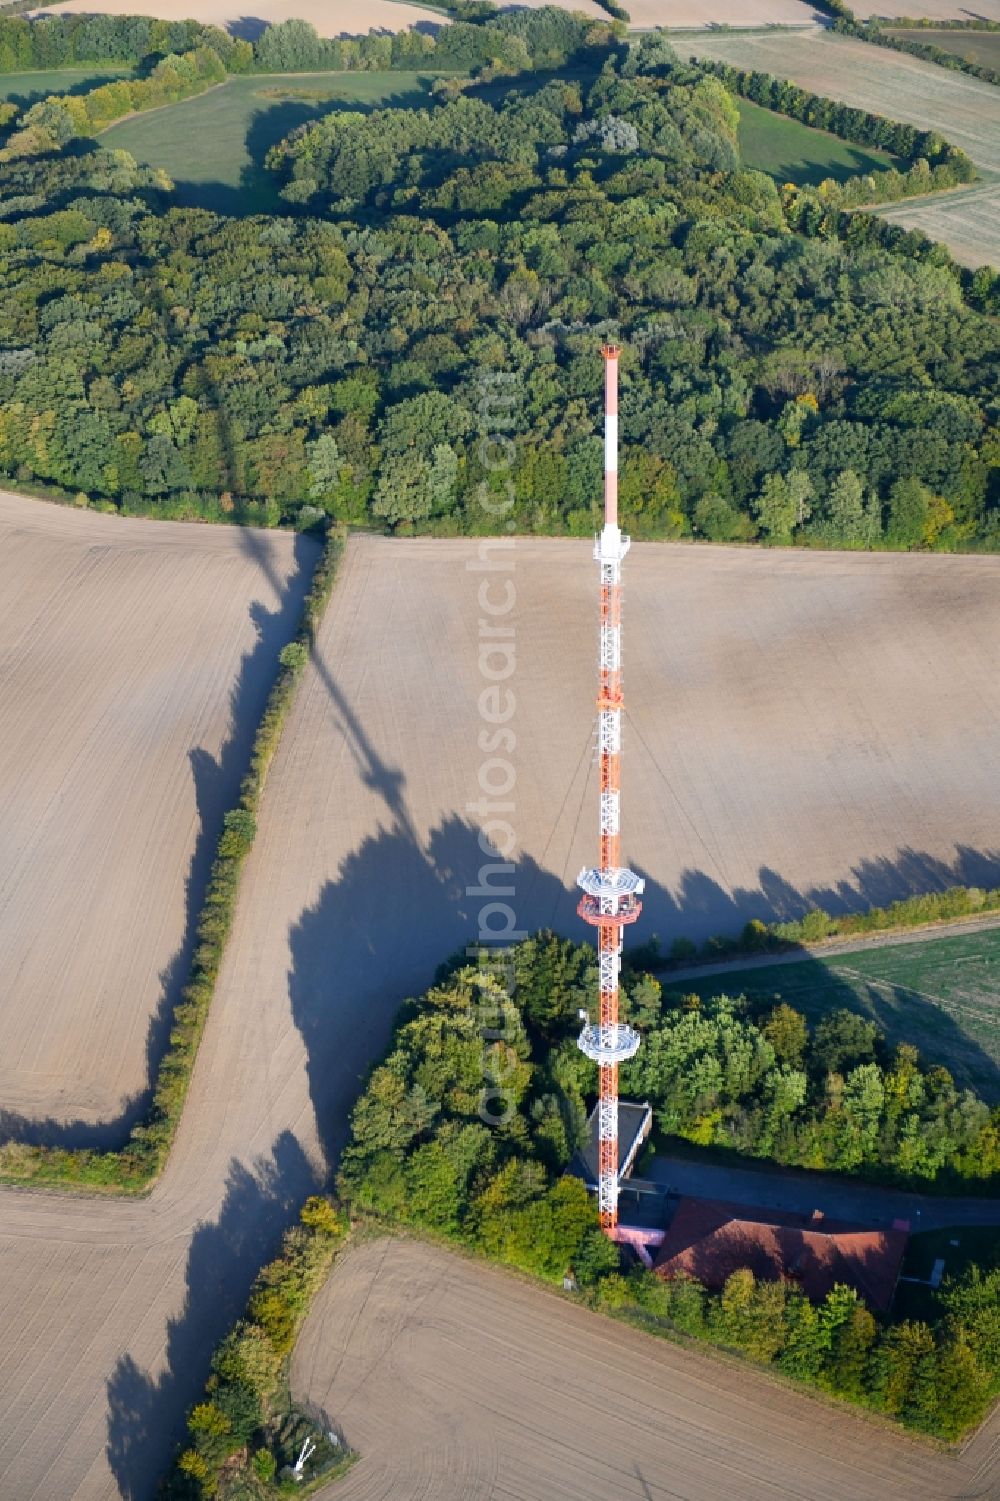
[
  {"x": 459, "y": 1382},
  {"x": 802, "y": 1192},
  {"x": 802, "y": 727},
  {"x": 135, "y": 660}
]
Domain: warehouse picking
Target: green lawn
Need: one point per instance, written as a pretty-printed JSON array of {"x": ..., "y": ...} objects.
[
  {"x": 26, "y": 88},
  {"x": 982, "y": 47},
  {"x": 214, "y": 146},
  {"x": 976, "y": 1243},
  {"x": 942, "y": 995},
  {"x": 789, "y": 151}
]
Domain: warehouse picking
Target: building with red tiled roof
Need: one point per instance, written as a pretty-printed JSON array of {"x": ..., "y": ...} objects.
[{"x": 710, "y": 1240}]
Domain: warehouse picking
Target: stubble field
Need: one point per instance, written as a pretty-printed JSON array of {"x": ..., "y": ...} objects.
[
  {"x": 136, "y": 660},
  {"x": 801, "y": 727},
  {"x": 458, "y": 1382},
  {"x": 982, "y": 47},
  {"x": 966, "y": 220},
  {"x": 930, "y": 10},
  {"x": 353, "y": 19},
  {"x": 358, "y": 16},
  {"x": 964, "y": 110},
  {"x": 697, "y": 13}
]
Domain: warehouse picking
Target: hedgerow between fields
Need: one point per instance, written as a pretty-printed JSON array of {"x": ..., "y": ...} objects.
[
  {"x": 816, "y": 925},
  {"x": 133, "y": 1169}
]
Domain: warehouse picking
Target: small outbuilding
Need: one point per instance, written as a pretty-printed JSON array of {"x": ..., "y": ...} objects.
[
  {"x": 634, "y": 1125},
  {"x": 710, "y": 1240}
]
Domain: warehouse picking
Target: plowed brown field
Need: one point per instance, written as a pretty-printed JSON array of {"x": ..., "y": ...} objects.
[
  {"x": 457, "y": 1382},
  {"x": 799, "y": 725},
  {"x": 136, "y": 658}
]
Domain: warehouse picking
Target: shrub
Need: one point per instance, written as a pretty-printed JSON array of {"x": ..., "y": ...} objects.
[
  {"x": 247, "y": 1392},
  {"x": 264, "y": 1465}
]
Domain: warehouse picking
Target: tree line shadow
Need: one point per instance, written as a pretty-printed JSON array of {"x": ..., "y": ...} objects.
[
  {"x": 904, "y": 1013},
  {"x": 252, "y": 28},
  {"x": 145, "y": 1412},
  {"x": 399, "y": 904},
  {"x": 216, "y": 780},
  {"x": 700, "y": 907},
  {"x": 24, "y": 99},
  {"x": 810, "y": 173}
]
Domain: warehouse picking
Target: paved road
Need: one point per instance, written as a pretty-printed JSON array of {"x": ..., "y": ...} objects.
[
  {"x": 804, "y": 1192},
  {"x": 458, "y": 1382}
]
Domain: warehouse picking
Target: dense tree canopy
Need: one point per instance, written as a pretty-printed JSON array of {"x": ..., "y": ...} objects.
[
  {"x": 787, "y": 384},
  {"x": 467, "y": 1126},
  {"x": 730, "y": 1074},
  {"x": 428, "y": 1145}
]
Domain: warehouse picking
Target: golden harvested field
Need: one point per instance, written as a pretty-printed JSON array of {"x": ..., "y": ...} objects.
[
  {"x": 684, "y": 13},
  {"x": 136, "y": 660},
  {"x": 458, "y": 1382},
  {"x": 330, "y": 17},
  {"x": 799, "y": 723},
  {"x": 931, "y": 10},
  {"x": 964, "y": 110},
  {"x": 354, "y": 17},
  {"x": 968, "y": 221}
]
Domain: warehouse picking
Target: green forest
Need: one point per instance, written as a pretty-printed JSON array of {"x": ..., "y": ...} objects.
[
  {"x": 791, "y": 373},
  {"x": 466, "y": 1129}
]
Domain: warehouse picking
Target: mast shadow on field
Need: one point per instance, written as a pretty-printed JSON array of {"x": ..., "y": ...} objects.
[
  {"x": 399, "y": 906},
  {"x": 374, "y": 937},
  {"x": 403, "y": 901},
  {"x": 400, "y": 903},
  {"x": 216, "y": 781}
]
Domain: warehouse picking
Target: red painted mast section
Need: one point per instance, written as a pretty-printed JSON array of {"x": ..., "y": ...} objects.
[
  {"x": 611, "y": 891},
  {"x": 610, "y": 353}
]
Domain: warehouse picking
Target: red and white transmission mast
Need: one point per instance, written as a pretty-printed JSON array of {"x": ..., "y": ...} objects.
[{"x": 610, "y": 892}]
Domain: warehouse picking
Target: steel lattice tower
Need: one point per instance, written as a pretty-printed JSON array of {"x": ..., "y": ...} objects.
[{"x": 610, "y": 892}]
